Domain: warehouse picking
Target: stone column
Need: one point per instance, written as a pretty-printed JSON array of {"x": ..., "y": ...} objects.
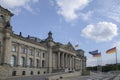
[
  {"x": 7, "y": 50},
  {"x": 81, "y": 64},
  {"x": 18, "y": 54},
  {"x": 27, "y": 57},
  {"x": 63, "y": 60},
  {"x": 70, "y": 62},
  {"x": 50, "y": 59},
  {"x": 66, "y": 62},
  {"x": 59, "y": 60},
  {"x": 34, "y": 57},
  {"x": 73, "y": 62},
  {"x": 41, "y": 59}
]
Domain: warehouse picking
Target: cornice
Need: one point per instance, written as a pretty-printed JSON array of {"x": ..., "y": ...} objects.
[
  {"x": 27, "y": 40},
  {"x": 5, "y": 11}
]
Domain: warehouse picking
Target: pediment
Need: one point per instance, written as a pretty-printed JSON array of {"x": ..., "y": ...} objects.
[{"x": 70, "y": 47}]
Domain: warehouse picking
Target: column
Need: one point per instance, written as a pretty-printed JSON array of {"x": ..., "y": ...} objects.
[
  {"x": 27, "y": 57},
  {"x": 34, "y": 57},
  {"x": 58, "y": 59},
  {"x": 70, "y": 62},
  {"x": 41, "y": 59},
  {"x": 73, "y": 62},
  {"x": 18, "y": 55},
  {"x": 63, "y": 60},
  {"x": 7, "y": 50},
  {"x": 66, "y": 62}
]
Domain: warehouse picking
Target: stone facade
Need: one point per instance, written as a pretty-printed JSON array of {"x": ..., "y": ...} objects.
[{"x": 32, "y": 56}]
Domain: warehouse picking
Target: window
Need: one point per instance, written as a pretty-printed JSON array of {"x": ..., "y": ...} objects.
[
  {"x": 30, "y": 62},
  {"x": 30, "y": 52},
  {"x": 38, "y": 72},
  {"x": 14, "y": 73},
  {"x": 23, "y": 72},
  {"x": 22, "y": 60},
  {"x": 14, "y": 48},
  {"x": 37, "y": 63},
  {"x": 12, "y": 60},
  {"x": 43, "y": 55},
  {"x": 23, "y": 50},
  {"x": 31, "y": 72},
  {"x": 37, "y": 54},
  {"x": 43, "y": 63}
]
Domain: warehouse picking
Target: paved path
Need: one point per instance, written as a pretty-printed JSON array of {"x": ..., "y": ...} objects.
[
  {"x": 97, "y": 76},
  {"x": 92, "y": 77}
]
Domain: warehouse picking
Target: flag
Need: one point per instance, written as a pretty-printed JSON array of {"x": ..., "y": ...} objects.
[
  {"x": 93, "y": 52},
  {"x": 112, "y": 50},
  {"x": 76, "y": 46},
  {"x": 97, "y": 55}
]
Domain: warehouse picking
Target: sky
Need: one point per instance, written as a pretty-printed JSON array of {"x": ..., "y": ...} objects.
[{"x": 92, "y": 24}]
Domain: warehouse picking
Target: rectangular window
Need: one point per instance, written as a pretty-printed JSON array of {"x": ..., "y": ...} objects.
[
  {"x": 43, "y": 55},
  {"x": 37, "y": 54},
  {"x": 14, "y": 48},
  {"x": 30, "y": 52},
  {"x": 23, "y": 50}
]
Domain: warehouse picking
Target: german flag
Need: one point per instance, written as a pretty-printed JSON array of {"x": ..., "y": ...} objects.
[
  {"x": 111, "y": 51},
  {"x": 76, "y": 46},
  {"x": 97, "y": 55}
]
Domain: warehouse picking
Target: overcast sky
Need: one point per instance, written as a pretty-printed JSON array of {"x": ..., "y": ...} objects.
[{"x": 93, "y": 24}]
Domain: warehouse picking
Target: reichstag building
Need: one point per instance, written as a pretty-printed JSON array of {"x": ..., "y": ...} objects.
[{"x": 25, "y": 56}]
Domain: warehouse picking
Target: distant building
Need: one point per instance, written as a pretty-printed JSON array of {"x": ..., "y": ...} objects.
[{"x": 32, "y": 56}]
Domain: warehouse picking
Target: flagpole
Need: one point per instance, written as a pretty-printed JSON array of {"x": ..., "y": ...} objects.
[{"x": 116, "y": 60}]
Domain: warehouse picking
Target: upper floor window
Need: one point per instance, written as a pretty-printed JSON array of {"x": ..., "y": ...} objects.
[
  {"x": 37, "y": 53},
  {"x": 12, "y": 60},
  {"x": 23, "y": 50},
  {"x": 43, "y": 54},
  {"x": 14, "y": 48},
  {"x": 31, "y": 52}
]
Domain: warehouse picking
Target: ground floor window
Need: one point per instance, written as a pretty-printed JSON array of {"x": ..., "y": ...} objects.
[
  {"x": 31, "y": 72},
  {"x": 23, "y": 72},
  {"x": 14, "y": 73},
  {"x": 38, "y": 72}
]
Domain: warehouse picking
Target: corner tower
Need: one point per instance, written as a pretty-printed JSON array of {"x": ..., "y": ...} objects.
[
  {"x": 5, "y": 35},
  {"x": 5, "y": 17}
]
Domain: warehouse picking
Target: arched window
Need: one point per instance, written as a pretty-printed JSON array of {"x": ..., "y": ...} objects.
[
  {"x": 13, "y": 61},
  {"x": 22, "y": 61},
  {"x": 37, "y": 63},
  {"x": 30, "y": 62}
]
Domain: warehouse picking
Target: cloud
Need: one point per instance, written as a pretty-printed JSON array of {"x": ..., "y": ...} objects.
[
  {"x": 100, "y": 32},
  {"x": 114, "y": 13},
  {"x": 69, "y": 8},
  {"x": 109, "y": 9},
  {"x": 117, "y": 44},
  {"x": 15, "y": 5},
  {"x": 86, "y": 16}
]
